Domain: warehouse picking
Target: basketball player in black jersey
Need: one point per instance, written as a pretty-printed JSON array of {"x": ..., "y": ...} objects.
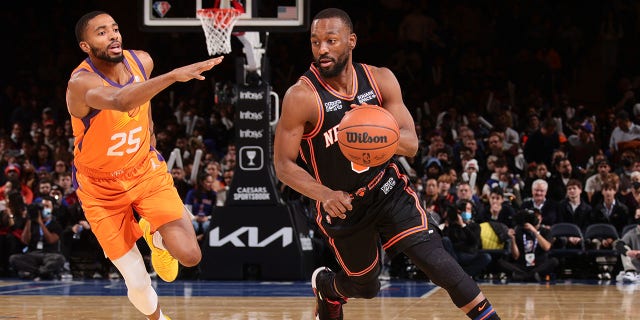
[{"x": 359, "y": 208}]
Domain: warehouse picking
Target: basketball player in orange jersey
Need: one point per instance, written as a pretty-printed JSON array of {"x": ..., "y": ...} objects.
[
  {"x": 116, "y": 168},
  {"x": 359, "y": 209}
]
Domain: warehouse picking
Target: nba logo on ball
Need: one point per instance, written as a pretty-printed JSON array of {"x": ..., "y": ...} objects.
[{"x": 368, "y": 135}]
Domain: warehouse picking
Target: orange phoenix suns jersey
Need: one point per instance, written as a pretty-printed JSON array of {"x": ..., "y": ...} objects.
[{"x": 110, "y": 141}]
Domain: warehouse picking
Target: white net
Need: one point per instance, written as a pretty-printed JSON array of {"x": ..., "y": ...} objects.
[{"x": 217, "y": 24}]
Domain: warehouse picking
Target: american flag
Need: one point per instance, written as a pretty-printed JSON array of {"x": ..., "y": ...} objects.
[{"x": 287, "y": 12}]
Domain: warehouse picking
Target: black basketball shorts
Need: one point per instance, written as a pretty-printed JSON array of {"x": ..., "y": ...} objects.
[{"x": 387, "y": 212}]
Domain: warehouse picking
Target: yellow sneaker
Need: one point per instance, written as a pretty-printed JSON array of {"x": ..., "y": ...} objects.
[{"x": 165, "y": 265}]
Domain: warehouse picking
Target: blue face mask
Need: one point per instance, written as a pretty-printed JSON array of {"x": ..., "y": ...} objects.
[
  {"x": 46, "y": 212},
  {"x": 466, "y": 216}
]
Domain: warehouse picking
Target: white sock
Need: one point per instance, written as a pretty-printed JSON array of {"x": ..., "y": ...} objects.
[{"x": 157, "y": 241}]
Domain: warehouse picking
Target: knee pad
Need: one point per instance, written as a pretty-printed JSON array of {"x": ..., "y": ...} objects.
[
  {"x": 133, "y": 270},
  {"x": 137, "y": 280},
  {"x": 444, "y": 271}
]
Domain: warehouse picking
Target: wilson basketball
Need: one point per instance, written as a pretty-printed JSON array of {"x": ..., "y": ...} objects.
[{"x": 368, "y": 135}]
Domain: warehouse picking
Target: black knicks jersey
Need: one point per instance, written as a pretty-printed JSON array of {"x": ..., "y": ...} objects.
[{"x": 319, "y": 148}]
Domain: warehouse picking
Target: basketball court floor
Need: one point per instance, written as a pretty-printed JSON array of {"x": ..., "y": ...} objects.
[{"x": 246, "y": 300}]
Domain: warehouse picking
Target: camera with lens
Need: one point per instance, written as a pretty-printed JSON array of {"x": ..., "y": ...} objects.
[
  {"x": 33, "y": 211},
  {"x": 526, "y": 216}
]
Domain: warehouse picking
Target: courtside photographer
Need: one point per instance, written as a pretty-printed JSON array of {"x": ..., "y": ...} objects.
[
  {"x": 41, "y": 258},
  {"x": 530, "y": 244}
]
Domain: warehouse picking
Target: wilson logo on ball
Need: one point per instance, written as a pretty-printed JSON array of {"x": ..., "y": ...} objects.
[
  {"x": 356, "y": 137},
  {"x": 368, "y": 135}
]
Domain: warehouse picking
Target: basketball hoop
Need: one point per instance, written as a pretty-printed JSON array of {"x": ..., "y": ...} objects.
[{"x": 217, "y": 23}]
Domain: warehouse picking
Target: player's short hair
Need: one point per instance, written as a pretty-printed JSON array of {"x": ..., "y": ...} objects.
[
  {"x": 335, "y": 13},
  {"x": 82, "y": 23}
]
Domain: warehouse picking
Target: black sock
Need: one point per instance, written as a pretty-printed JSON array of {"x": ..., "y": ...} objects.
[{"x": 483, "y": 310}]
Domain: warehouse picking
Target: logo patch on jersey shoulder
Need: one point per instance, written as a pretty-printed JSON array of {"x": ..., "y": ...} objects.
[
  {"x": 333, "y": 105},
  {"x": 367, "y": 96}
]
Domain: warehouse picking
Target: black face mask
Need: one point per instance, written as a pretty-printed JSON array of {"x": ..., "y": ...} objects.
[
  {"x": 636, "y": 185},
  {"x": 625, "y": 162}
]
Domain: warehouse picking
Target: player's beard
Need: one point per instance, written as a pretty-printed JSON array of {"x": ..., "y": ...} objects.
[
  {"x": 339, "y": 65},
  {"x": 104, "y": 55}
]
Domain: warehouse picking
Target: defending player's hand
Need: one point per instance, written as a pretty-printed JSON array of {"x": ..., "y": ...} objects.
[
  {"x": 337, "y": 203},
  {"x": 194, "y": 71}
]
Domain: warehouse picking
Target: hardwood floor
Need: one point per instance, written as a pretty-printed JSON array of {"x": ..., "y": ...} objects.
[{"x": 566, "y": 301}]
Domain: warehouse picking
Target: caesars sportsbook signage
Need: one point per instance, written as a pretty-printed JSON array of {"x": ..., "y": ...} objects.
[{"x": 254, "y": 179}]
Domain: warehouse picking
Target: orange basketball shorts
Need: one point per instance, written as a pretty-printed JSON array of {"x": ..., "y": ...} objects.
[{"x": 109, "y": 203}]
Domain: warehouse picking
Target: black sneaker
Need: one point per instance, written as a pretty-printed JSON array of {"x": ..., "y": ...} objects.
[{"x": 326, "y": 309}]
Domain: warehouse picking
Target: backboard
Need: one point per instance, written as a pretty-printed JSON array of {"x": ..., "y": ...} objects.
[{"x": 260, "y": 15}]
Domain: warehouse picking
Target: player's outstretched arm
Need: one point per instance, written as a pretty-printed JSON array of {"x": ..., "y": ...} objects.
[{"x": 86, "y": 91}]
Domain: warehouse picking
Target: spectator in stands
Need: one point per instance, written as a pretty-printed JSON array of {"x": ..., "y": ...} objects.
[
  {"x": 499, "y": 167},
  {"x": 471, "y": 174},
  {"x": 13, "y": 174},
  {"x": 593, "y": 185},
  {"x": 445, "y": 159},
  {"x": 432, "y": 201},
  {"x": 464, "y": 191},
  {"x": 17, "y": 136},
  {"x": 201, "y": 224},
  {"x": 229, "y": 160},
  {"x": 180, "y": 182},
  {"x": 80, "y": 246},
  {"x": 12, "y": 220},
  {"x": 69, "y": 195},
  {"x": 498, "y": 209},
  {"x": 43, "y": 189},
  {"x": 538, "y": 144},
  {"x": 547, "y": 207},
  {"x": 530, "y": 244},
  {"x": 511, "y": 187},
  {"x": 625, "y": 135},
  {"x": 582, "y": 146},
  {"x": 59, "y": 168},
  {"x": 222, "y": 196},
  {"x": 610, "y": 210},
  {"x": 213, "y": 168},
  {"x": 433, "y": 168},
  {"x": 464, "y": 234},
  {"x": 558, "y": 181},
  {"x": 202, "y": 198},
  {"x": 632, "y": 198},
  {"x": 628, "y": 160},
  {"x": 542, "y": 172},
  {"x": 436, "y": 143},
  {"x": 43, "y": 158},
  {"x": 629, "y": 249},
  {"x": 496, "y": 147},
  {"x": 445, "y": 181},
  {"x": 573, "y": 208},
  {"x": 510, "y": 137},
  {"x": 42, "y": 235}
]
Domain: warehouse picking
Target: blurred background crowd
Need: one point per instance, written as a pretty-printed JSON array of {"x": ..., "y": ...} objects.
[{"x": 527, "y": 104}]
